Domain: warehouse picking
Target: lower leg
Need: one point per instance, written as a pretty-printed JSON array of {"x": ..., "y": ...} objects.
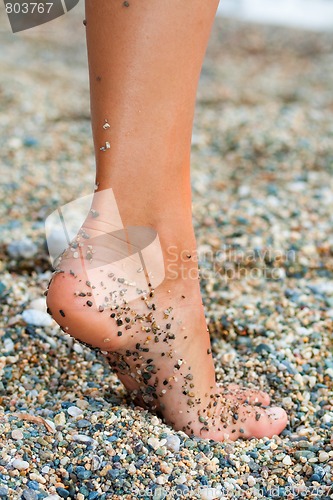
[{"x": 144, "y": 62}]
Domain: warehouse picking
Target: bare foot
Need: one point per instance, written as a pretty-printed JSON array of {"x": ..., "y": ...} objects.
[{"x": 157, "y": 342}]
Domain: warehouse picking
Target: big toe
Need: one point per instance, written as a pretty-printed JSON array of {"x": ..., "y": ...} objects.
[{"x": 265, "y": 422}]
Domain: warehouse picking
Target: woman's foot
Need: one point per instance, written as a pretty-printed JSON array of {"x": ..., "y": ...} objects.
[{"x": 156, "y": 340}]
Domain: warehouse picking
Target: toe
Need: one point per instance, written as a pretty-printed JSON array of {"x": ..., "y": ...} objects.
[{"x": 260, "y": 422}]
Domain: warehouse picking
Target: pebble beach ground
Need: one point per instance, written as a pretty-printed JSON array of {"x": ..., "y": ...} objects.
[{"x": 263, "y": 212}]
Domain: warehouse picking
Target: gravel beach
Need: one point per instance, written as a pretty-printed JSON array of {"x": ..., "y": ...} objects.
[{"x": 263, "y": 213}]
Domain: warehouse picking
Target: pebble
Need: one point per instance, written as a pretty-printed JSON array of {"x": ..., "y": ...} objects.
[
  {"x": 82, "y": 438},
  {"x": 38, "y": 304},
  {"x": 323, "y": 456},
  {"x": 8, "y": 345},
  {"x": 20, "y": 464},
  {"x": 60, "y": 419},
  {"x": 74, "y": 411},
  {"x": 36, "y": 318},
  {"x": 29, "y": 494},
  {"x": 251, "y": 481},
  {"x": 17, "y": 434},
  {"x": 22, "y": 249},
  {"x": 287, "y": 460},
  {"x": 173, "y": 443},
  {"x": 153, "y": 442}
]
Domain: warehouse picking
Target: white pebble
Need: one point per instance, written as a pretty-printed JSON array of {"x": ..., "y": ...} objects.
[
  {"x": 173, "y": 443},
  {"x": 181, "y": 479},
  {"x": 323, "y": 456},
  {"x": 8, "y": 345},
  {"x": 287, "y": 460},
  {"x": 74, "y": 411},
  {"x": 78, "y": 348},
  {"x": 326, "y": 418},
  {"x": 39, "y": 304},
  {"x": 36, "y": 318},
  {"x": 17, "y": 434},
  {"x": 154, "y": 442},
  {"x": 82, "y": 438},
  {"x": 298, "y": 378},
  {"x": 51, "y": 424},
  {"x": 45, "y": 469},
  {"x": 132, "y": 469},
  {"x": 20, "y": 464},
  {"x": 251, "y": 481}
]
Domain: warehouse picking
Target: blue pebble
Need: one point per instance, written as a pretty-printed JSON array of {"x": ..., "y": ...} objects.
[
  {"x": 3, "y": 492},
  {"x": 83, "y": 423},
  {"x": 116, "y": 458},
  {"x": 93, "y": 495},
  {"x": 29, "y": 495},
  {"x": 113, "y": 473},
  {"x": 82, "y": 472},
  {"x": 315, "y": 477},
  {"x": 62, "y": 492},
  {"x": 33, "y": 485},
  {"x": 113, "y": 438},
  {"x": 66, "y": 404},
  {"x": 30, "y": 142}
]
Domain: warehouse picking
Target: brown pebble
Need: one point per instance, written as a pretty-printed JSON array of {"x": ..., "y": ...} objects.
[
  {"x": 89, "y": 303},
  {"x": 84, "y": 22}
]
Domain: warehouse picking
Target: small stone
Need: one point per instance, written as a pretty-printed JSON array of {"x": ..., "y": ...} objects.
[
  {"x": 82, "y": 472},
  {"x": 36, "y": 318},
  {"x": 173, "y": 443},
  {"x": 22, "y": 249},
  {"x": 29, "y": 495},
  {"x": 8, "y": 345},
  {"x": 96, "y": 462},
  {"x": 60, "y": 419},
  {"x": 287, "y": 460},
  {"x": 20, "y": 464},
  {"x": 62, "y": 492},
  {"x": 33, "y": 485},
  {"x": 3, "y": 492},
  {"x": 17, "y": 434},
  {"x": 74, "y": 411},
  {"x": 251, "y": 481},
  {"x": 38, "y": 304},
  {"x": 153, "y": 442},
  {"x": 323, "y": 456},
  {"x": 82, "y": 438},
  {"x": 132, "y": 469},
  {"x": 83, "y": 423}
]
